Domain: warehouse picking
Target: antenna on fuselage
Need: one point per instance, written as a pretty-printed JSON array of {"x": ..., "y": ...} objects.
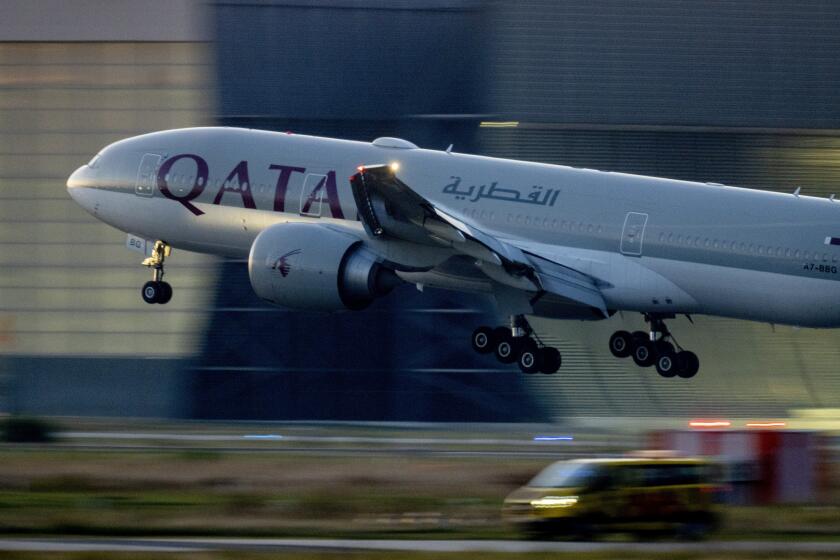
[
  {"x": 797, "y": 191},
  {"x": 449, "y": 149},
  {"x": 831, "y": 198}
]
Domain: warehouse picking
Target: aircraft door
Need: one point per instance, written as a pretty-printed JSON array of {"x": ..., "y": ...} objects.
[
  {"x": 147, "y": 175},
  {"x": 313, "y": 194},
  {"x": 633, "y": 234}
]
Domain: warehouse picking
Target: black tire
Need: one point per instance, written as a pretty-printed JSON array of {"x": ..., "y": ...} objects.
[
  {"x": 165, "y": 293},
  {"x": 506, "y": 347},
  {"x": 530, "y": 357},
  {"x": 688, "y": 364},
  {"x": 666, "y": 364},
  {"x": 644, "y": 353},
  {"x": 695, "y": 529},
  {"x": 151, "y": 292},
  {"x": 482, "y": 340},
  {"x": 551, "y": 360},
  {"x": 621, "y": 344}
]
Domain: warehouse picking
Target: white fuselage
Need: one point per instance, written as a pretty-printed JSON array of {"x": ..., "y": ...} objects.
[{"x": 654, "y": 245}]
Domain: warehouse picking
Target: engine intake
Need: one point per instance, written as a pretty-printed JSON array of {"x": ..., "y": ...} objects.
[{"x": 314, "y": 267}]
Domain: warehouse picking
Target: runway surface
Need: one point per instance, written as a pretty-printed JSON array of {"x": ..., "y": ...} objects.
[
  {"x": 537, "y": 445},
  {"x": 338, "y": 545}
]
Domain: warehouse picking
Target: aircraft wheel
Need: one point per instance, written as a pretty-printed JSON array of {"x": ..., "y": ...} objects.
[
  {"x": 151, "y": 291},
  {"x": 621, "y": 344},
  {"x": 644, "y": 353},
  {"x": 482, "y": 340},
  {"x": 165, "y": 293},
  {"x": 666, "y": 364},
  {"x": 530, "y": 357},
  {"x": 551, "y": 360},
  {"x": 688, "y": 364},
  {"x": 506, "y": 347}
]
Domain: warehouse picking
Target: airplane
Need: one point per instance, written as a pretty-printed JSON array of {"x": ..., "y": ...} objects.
[{"x": 328, "y": 224}]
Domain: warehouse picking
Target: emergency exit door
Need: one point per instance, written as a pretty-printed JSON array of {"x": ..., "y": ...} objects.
[
  {"x": 147, "y": 175},
  {"x": 633, "y": 234},
  {"x": 313, "y": 195}
]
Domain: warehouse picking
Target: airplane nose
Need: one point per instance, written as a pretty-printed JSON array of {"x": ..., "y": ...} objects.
[
  {"x": 80, "y": 187},
  {"x": 78, "y": 179}
]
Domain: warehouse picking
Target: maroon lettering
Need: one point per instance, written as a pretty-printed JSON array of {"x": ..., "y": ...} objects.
[
  {"x": 328, "y": 184},
  {"x": 197, "y": 188},
  {"x": 283, "y": 184},
  {"x": 242, "y": 186}
]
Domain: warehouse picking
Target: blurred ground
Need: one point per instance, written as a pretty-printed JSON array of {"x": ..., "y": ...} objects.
[{"x": 357, "y": 481}]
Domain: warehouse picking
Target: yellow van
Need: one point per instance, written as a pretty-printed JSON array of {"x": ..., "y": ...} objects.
[{"x": 584, "y": 496}]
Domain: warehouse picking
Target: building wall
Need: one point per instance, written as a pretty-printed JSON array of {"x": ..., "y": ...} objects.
[
  {"x": 71, "y": 316},
  {"x": 741, "y": 93}
]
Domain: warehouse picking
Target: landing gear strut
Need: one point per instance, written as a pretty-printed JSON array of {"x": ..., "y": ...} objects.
[
  {"x": 157, "y": 291},
  {"x": 655, "y": 348},
  {"x": 517, "y": 343}
]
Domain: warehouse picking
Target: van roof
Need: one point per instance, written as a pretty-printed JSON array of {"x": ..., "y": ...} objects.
[{"x": 641, "y": 461}]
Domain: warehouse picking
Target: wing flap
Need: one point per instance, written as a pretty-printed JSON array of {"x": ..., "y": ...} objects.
[{"x": 389, "y": 207}]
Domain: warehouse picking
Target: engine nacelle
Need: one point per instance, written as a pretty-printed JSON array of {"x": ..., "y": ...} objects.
[{"x": 311, "y": 266}]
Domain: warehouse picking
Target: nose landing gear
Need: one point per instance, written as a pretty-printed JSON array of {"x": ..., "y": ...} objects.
[
  {"x": 517, "y": 343},
  {"x": 157, "y": 291},
  {"x": 657, "y": 348}
]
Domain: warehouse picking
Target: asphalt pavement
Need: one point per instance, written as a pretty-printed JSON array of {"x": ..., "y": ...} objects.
[{"x": 339, "y": 545}]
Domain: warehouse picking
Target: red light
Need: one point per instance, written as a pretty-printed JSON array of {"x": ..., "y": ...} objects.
[
  {"x": 766, "y": 424},
  {"x": 710, "y": 424}
]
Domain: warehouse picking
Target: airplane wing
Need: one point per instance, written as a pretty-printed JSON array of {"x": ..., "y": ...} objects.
[{"x": 390, "y": 208}]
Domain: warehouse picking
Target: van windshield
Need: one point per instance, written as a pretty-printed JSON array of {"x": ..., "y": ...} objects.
[{"x": 563, "y": 475}]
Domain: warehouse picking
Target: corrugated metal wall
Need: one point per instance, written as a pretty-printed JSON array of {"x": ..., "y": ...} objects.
[
  {"x": 761, "y": 63},
  {"x": 68, "y": 285}
]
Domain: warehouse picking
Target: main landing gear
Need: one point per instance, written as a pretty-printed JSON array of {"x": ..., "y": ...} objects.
[
  {"x": 517, "y": 343},
  {"x": 657, "y": 348},
  {"x": 157, "y": 291}
]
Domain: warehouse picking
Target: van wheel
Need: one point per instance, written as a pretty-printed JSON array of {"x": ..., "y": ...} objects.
[
  {"x": 584, "y": 531},
  {"x": 694, "y": 530}
]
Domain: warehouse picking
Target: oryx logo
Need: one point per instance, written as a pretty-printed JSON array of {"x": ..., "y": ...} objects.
[{"x": 283, "y": 264}]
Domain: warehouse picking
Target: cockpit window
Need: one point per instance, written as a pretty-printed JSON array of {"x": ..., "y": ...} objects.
[
  {"x": 94, "y": 162},
  {"x": 564, "y": 475}
]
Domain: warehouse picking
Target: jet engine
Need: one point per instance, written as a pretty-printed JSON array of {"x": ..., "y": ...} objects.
[{"x": 316, "y": 267}]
